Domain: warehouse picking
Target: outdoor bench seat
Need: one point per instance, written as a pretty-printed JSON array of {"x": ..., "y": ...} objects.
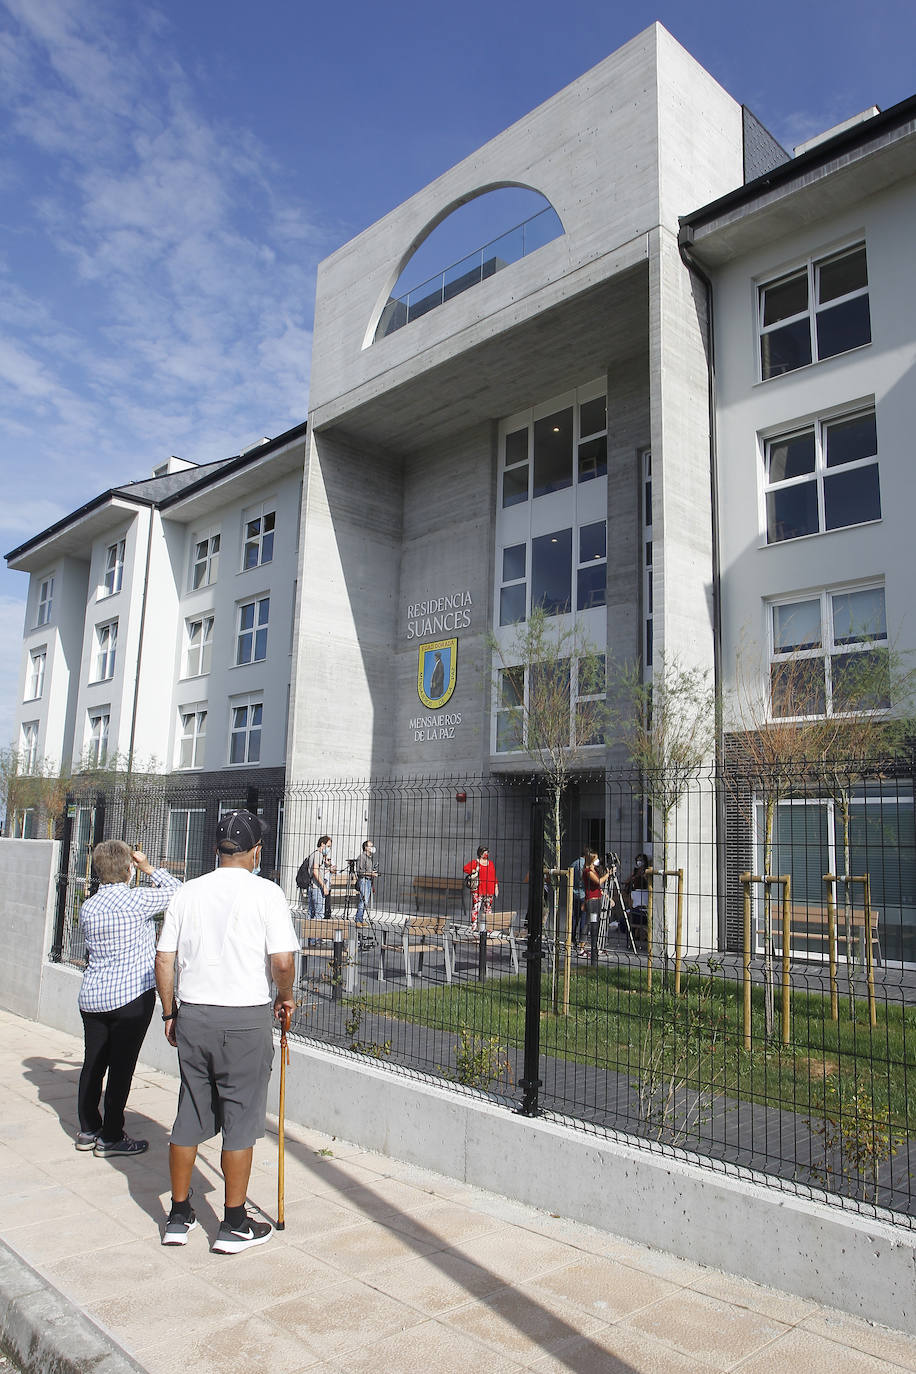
[{"x": 437, "y": 890}]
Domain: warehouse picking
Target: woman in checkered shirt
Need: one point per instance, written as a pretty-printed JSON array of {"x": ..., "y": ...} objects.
[{"x": 118, "y": 991}]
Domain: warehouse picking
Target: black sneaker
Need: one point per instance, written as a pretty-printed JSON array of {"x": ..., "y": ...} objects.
[
  {"x": 125, "y": 1146},
  {"x": 86, "y": 1140},
  {"x": 232, "y": 1239},
  {"x": 179, "y": 1226}
]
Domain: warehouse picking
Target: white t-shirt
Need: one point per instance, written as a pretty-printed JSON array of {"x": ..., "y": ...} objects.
[{"x": 223, "y": 927}]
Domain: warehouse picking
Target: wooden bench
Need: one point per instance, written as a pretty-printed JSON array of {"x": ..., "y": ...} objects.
[{"x": 437, "y": 890}]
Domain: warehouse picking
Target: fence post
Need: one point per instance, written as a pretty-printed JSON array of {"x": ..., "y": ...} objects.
[
  {"x": 530, "y": 1082},
  {"x": 98, "y": 835},
  {"x": 63, "y": 883}
]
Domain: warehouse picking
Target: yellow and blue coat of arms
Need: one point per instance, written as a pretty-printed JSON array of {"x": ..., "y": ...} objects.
[{"x": 437, "y": 672}]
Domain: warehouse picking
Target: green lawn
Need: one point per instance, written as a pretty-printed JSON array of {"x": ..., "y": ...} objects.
[{"x": 696, "y": 1040}]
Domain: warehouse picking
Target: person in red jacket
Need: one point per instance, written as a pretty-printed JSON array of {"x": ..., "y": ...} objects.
[{"x": 483, "y": 884}]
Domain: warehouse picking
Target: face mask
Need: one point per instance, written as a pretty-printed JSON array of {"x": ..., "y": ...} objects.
[
  {"x": 326, "y": 850},
  {"x": 372, "y": 849}
]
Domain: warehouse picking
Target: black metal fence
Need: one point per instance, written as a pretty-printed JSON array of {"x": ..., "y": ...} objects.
[{"x": 751, "y": 1000}]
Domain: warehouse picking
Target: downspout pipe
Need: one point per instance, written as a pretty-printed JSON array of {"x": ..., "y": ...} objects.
[
  {"x": 133, "y": 714},
  {"x": 685, "y": 240}
]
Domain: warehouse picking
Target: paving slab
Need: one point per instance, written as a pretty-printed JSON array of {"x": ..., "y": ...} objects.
[{"x": 382, "y": 1266}]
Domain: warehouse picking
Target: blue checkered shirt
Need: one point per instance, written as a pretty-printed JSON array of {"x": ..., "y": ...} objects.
[{"x": 118, "y": 925}]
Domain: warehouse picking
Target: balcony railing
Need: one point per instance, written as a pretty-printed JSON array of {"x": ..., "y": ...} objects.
[{"x": 484, "y": 262}]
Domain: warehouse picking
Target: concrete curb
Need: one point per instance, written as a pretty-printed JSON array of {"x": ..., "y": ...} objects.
[{"x": 45, "y": 1333}]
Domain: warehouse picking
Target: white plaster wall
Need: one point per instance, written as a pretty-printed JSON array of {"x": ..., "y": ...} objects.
[
  {"x": 883, "y": 370},
  {"x": 227, "y": 682}
]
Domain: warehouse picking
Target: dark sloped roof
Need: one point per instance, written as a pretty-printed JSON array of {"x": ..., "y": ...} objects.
[{"x": 158, "y": 489}]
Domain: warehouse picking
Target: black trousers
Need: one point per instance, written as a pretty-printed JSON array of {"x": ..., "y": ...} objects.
[{"x": 113, "y": 1040}]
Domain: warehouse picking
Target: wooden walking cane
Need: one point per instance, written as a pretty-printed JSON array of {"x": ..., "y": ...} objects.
[{"x": 281, "y": 1160}]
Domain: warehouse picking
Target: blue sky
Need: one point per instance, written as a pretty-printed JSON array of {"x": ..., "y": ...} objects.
[{"x": 171, "y": 174}]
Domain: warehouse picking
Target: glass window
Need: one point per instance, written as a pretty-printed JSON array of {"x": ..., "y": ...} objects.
[
  {"x": 510, "y": 716},
  {"x": 29, "y": 746},
  {"x": 792, "y": 335},
  {"x": 186, "y": 854},
  {"x": 591, "y": 579},
  {"x": 36, "y": 682},
  {"x": 97, "y": 750},
  {"x": 259, "y": 540},
  {"x": 514, "y": 592},
  {"x": 246, "y": 719},
  {"x": 829, "y": 654},
  {"x": 45, "y": 601},
  {"x": 593, "y": 459},
  {"x": 593, "y": 417},
  {"x": 553, "y": 436},
  {"x": 252, "y": 636},
  {"x": 114, "y": 568},
  {"x": 514, "y": 563},
  {"x": 106, "y": 645},
  {"x": 515, "y": 486},
  {"x": 551, "y": 571},
  {"x": 193, "y": 738},
  {"x": 591, "y": 710},
  {"x": 198, "y": 646},
  {"x": 824, "y": 477},
  {"x": 205, "y": 560}
]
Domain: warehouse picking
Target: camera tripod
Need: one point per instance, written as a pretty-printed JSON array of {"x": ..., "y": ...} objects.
[{"x": 610, "y": 895}]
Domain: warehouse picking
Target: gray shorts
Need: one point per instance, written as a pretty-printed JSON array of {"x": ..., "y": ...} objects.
[{"x": 225, "y": 1056}]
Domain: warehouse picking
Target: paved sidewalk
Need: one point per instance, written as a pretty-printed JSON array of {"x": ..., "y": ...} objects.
[{"x": 382, "y": 1267}]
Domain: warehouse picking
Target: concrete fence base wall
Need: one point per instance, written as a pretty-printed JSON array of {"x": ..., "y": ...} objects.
[{"x": 802, "y": 1246}]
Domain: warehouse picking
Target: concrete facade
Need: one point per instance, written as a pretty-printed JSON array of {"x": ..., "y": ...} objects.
[{"x": 419, "y": 416}]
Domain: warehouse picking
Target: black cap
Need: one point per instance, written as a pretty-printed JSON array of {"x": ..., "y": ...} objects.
[{"x": 238, "y": 831}]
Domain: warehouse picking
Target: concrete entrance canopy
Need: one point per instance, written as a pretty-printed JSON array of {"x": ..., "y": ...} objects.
[{"x": 584, "y": 335}]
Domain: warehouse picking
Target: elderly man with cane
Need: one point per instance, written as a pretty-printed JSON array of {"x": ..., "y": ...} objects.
[{"x": 229, "y": 932}]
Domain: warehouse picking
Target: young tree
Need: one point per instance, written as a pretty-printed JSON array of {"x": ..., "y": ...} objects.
[
  {"x": 871, "y": 718},
  {"x": 826, "y": 724},
  {"x": 667, "y": 727},
  {"x": 775, "y": 743}
]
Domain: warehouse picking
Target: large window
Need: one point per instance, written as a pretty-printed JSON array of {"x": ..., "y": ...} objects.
[
  {"x": 97, "y": 744},
  {"x": 29, "y": 746},
  {"x": 815, "y": 312},
  {"x": 561, "y": 703},
  {"x": 258, "y": 544},
  {"x": 114, "y": 568},
  {"x": 251, "y": 645},
  {"x": 193, "y": 737},
  {"x": 106, "y": 646},
  {"x": 551, "y": 572},
  {"x": 204, "y": 558},
  {"x": 829, "y": 653},
  {"x": 551, "y": 453},
  {"x": 245, "y": 721},
  {"x": 186, "y": 854},
  {"x": 822, "y": 476},
  {"x": 36, "y": 680},
  {"x": 45, "y": 601},
  {"x": 809, "y": 841},
  {"x": 198, "y": 645}
]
